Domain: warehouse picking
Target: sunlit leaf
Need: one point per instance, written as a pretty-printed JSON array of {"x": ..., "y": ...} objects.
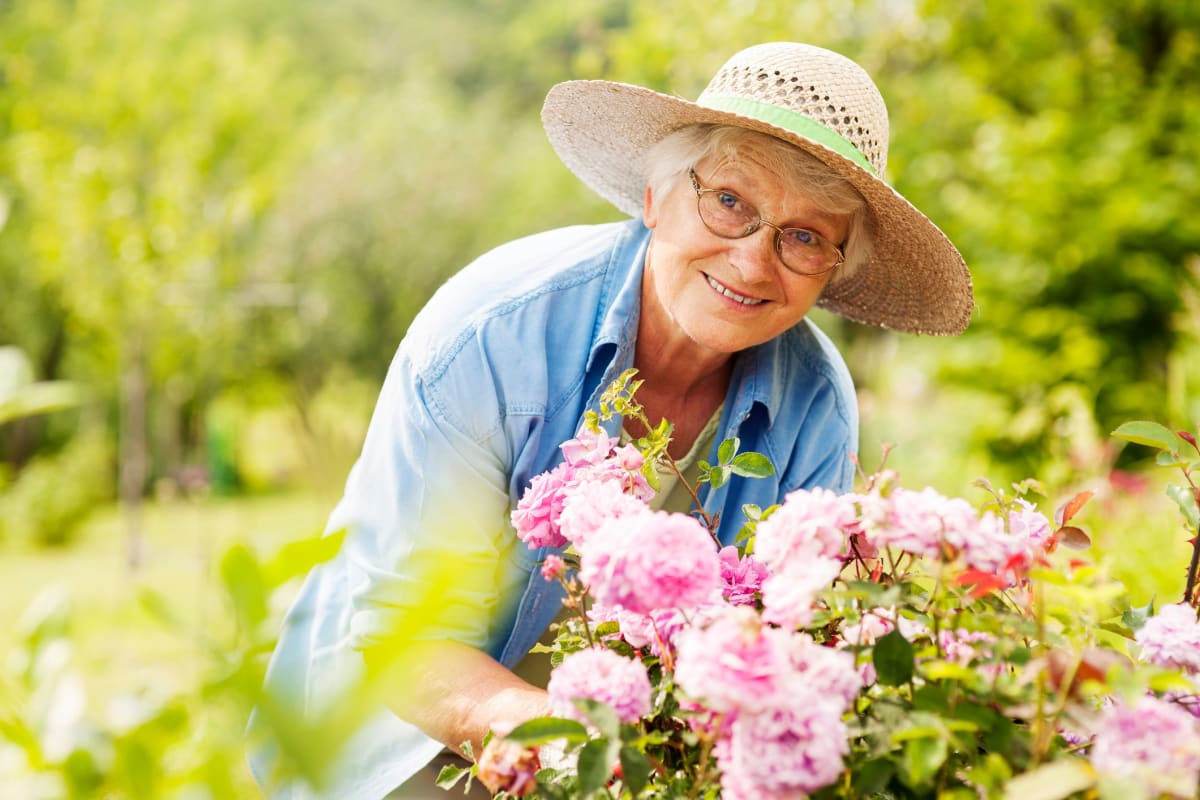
[
  {"x": 1052, "y": 781},
  {"x": 541, "y": 730},
  {"x": 1186, "y": 501},
  {"x": 1150, "y": 434},
  {"x": 753, "y": 465}
]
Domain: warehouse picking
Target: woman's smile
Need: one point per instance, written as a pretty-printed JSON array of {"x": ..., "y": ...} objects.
[{"x": 730, "y": 294}]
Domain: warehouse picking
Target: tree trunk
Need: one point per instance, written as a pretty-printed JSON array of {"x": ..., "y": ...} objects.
[{"x": 133, "y": 448}]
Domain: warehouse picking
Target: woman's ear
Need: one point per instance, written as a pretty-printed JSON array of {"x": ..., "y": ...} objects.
[{"x": 649, "y": 212}]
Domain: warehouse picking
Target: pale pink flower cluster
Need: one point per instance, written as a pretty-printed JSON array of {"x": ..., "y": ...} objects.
[
  {"x": 600, "y": 674},
  {"x": 780, "y": 698},
  {"x": 1171, "y": 638},
  {"x": 930, "y": 525},
  {"x": 1152, "y": 744},
  {"x": 651, "y": 560},
  {"x": 592, "y": 460},
  {"x": 802, "y": 544},
  {"x": 788, "y": 596}
]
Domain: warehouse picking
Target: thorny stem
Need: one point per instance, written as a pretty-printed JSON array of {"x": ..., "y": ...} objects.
[{"x": 1191, "y": 575}]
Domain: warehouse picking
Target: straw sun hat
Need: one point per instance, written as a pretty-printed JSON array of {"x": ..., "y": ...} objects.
[{"x": 815, "y": 99}]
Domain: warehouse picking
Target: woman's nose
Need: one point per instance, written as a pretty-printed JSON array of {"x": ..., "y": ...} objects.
[{"x": 754, "y": 256}]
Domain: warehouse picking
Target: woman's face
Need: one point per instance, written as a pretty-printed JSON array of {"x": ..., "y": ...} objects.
[{"x": 730, "y": 294}]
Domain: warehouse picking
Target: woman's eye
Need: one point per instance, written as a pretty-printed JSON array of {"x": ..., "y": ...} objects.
[
  {"x": 802, "y": 237},
  {"x": 729, "y": 201}
]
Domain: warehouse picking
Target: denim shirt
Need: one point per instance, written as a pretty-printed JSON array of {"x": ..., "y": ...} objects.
[{"x": 496, "y": 371}]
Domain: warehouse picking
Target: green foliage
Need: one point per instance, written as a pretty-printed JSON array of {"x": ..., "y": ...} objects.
[
  {"x": 180, "y": 737},
  {"x": 50, "y": 498}
]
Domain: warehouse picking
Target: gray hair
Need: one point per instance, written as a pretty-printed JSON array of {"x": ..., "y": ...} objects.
[{"x": 669, "y": 160}]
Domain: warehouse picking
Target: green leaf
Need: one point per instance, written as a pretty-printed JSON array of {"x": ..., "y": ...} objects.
[
  {"x": 1052, "y": 781},
  {"x": 245, "y": 585},
  {"x": 1169, "y": 458},
  {"x": 893, "y": 659},
  {"x": 540, "y": 730},
  {"x": 719, "y": 476},
  {"x": 1150, "y": 434},
  {"x": 451, "y": 775},
  {"x": 871, "y": 778},
  {"x": 1187, "y": 504},
  {"x": 727, "y": 450},
  {"x": 921, "y": 760},
  {"x": 601, "y": 715},
  {"x": 753, "y": 465},
  {"x": 596, "y": 761},
  {"x": 1135, "y": 616},
  {"x": 297, "y": 558},
  {"x": 635, "y": 769}
]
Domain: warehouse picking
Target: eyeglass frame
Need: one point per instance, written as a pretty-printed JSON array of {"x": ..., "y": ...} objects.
[{"x": 701, "y": 190}]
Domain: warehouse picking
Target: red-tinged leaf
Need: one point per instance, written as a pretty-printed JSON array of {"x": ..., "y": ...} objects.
[
  {"x": 1073, "y": 537},
  {"x": 983, "y": 582},
  {"x": 1071, "y": 507},
  {"x": 1187, "y": 437}
]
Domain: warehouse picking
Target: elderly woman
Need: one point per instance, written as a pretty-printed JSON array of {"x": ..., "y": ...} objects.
[{"x": 752, "y": 205}]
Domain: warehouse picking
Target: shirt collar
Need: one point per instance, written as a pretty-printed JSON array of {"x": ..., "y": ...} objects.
[{"x": 622, "y": 302}]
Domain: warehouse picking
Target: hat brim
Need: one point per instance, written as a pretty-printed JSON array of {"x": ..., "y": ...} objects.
[{"x": 915, "y": 281}]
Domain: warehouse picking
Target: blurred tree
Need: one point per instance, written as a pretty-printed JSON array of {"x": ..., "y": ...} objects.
[{"x": 127, "y": 147}]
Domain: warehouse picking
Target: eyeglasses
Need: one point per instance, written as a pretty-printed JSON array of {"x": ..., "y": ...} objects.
[{"x": 802, "y": 251}]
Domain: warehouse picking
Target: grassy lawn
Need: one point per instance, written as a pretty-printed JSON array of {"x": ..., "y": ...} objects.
[{"x": 120, "y": 649}]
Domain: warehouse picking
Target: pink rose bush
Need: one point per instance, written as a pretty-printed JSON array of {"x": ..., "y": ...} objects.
[{"x": 883, "y": 642}]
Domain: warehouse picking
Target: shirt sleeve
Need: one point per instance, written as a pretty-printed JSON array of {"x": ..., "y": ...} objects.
[{"x": 429, "y": 548}]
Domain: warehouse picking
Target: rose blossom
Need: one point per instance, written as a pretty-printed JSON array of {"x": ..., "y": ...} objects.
[
  {"x": 553, "y": 567},
  {"x": 788, "y": 596},
  {"x": 734, "y": 663},
  {"x": 507, "y": 766},
  {"x": 1152, "y": 744},
  {"x": 742, "y": 577},
  {"x": 600, "y": 674},
  {"x": 1171, "y": 638},
  {"x": 807, "y": 524},
  {"x": 656, "y": 629},
  {"x": 787, "y": 751},
  {"x": 537, "y": 512},
  {"x": 650, "y": 560},
  {"x": 587, "y": 448},
  {"x": 587, "y": 504}
]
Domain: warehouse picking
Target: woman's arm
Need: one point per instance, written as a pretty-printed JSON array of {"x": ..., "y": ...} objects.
[{"x": 454, "y": 693}]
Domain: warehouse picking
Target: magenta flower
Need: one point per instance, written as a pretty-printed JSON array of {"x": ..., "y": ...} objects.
[
  {"x": 809, "y": 523},
  {"x": 742, "y": 577},
  {"x": 1171, "y": 638},
  {"x": 1152, "y": 744},
  {"x": 602, "y": 675},
  {"x": 537, "y": 512},
  {"x": 651, "y": 560}
]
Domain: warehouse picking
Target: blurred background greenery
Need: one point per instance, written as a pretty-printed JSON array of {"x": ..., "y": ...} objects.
[{"x": 217, "y": 220}]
